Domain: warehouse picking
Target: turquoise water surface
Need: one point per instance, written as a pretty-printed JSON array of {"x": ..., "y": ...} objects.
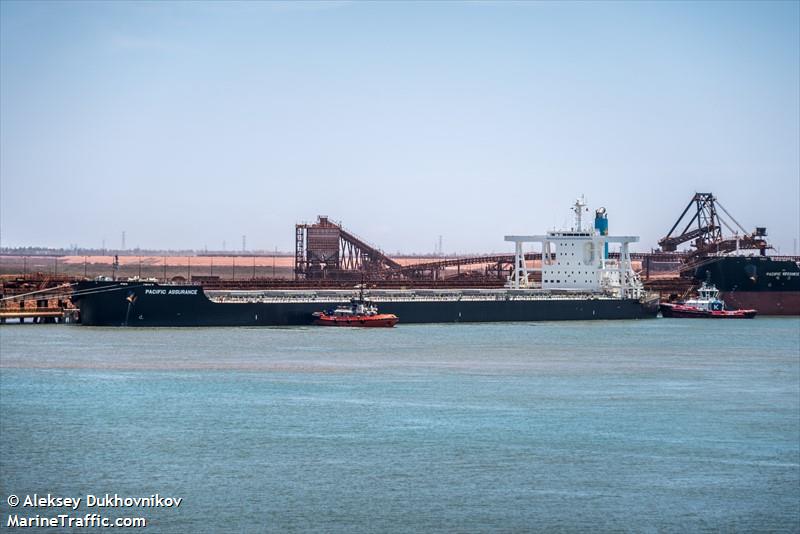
[{"x": 656, "y": 425}]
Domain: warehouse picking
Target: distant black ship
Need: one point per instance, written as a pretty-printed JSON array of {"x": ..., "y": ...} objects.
[
  {"x": 578, "y": 282},
  {"x": 737, "y": 265},
  {"x": 768, "y": 284}
]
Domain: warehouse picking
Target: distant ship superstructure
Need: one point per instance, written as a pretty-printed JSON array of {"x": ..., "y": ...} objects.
[{"x": 577, "y": 260}]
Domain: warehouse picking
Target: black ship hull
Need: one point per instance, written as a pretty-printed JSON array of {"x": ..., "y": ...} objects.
[
  {"x": 151, "y": 304},
  {"x": 769, "y": 285}
]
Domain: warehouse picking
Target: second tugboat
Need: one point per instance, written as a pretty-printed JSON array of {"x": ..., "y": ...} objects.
[
  {"x": 359, "y": 312},
  {"x": 706, "y": 305}
]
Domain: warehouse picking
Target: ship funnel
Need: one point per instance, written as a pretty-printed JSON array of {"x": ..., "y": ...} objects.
[{"x": 601, "y": 225}]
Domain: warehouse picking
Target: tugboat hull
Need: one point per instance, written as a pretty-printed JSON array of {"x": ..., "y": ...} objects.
[
  {"x": 690, "y": 312},
  {"x": 383, "y": 320}
]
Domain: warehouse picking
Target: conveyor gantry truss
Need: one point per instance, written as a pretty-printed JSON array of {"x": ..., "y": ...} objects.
[{"x": 325, "y": 250}]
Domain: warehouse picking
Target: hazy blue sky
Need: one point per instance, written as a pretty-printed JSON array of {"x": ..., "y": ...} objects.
[{"x": 186, "y": 124}]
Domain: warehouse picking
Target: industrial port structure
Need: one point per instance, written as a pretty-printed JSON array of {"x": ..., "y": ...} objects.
[
  {"x": 325, "y": 250},
  {"x": 329, "y": 255}
]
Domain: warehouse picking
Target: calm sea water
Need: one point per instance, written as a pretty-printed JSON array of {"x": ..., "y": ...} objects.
[{"x": 658, "y": 425}]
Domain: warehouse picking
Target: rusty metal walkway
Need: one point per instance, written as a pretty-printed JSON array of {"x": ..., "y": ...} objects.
[{"x": 39, "y": 315}]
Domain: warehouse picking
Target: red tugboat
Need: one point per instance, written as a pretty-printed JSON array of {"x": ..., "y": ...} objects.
[
  {"x": 706, "y": 305},
  {"x": 359, "y": 312}
]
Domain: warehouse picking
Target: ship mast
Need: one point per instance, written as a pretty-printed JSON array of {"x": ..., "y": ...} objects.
[{"x": 578, "y": 208}]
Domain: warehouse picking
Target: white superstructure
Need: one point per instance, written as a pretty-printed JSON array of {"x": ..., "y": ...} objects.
[
  {"x": 707, "y": 299},
  {"x": 574, "y": 259}
]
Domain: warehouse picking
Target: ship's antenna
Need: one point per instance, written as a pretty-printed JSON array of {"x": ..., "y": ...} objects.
[{"x": 578, "y": 208}]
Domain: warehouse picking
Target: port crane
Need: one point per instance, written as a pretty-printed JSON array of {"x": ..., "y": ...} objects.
[{"x": 705, "y": 230}]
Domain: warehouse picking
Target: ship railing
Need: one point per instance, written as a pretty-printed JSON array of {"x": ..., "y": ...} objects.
[
  {"x": 517, "y": 295},
  {"x": 386, "y": 293}
]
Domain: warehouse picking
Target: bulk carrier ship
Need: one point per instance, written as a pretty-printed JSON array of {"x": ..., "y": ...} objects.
[
  {"x": 737, "y": 265},
  {"x": 578, "y": 281},
  {"x": 769, "y": 284}
]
